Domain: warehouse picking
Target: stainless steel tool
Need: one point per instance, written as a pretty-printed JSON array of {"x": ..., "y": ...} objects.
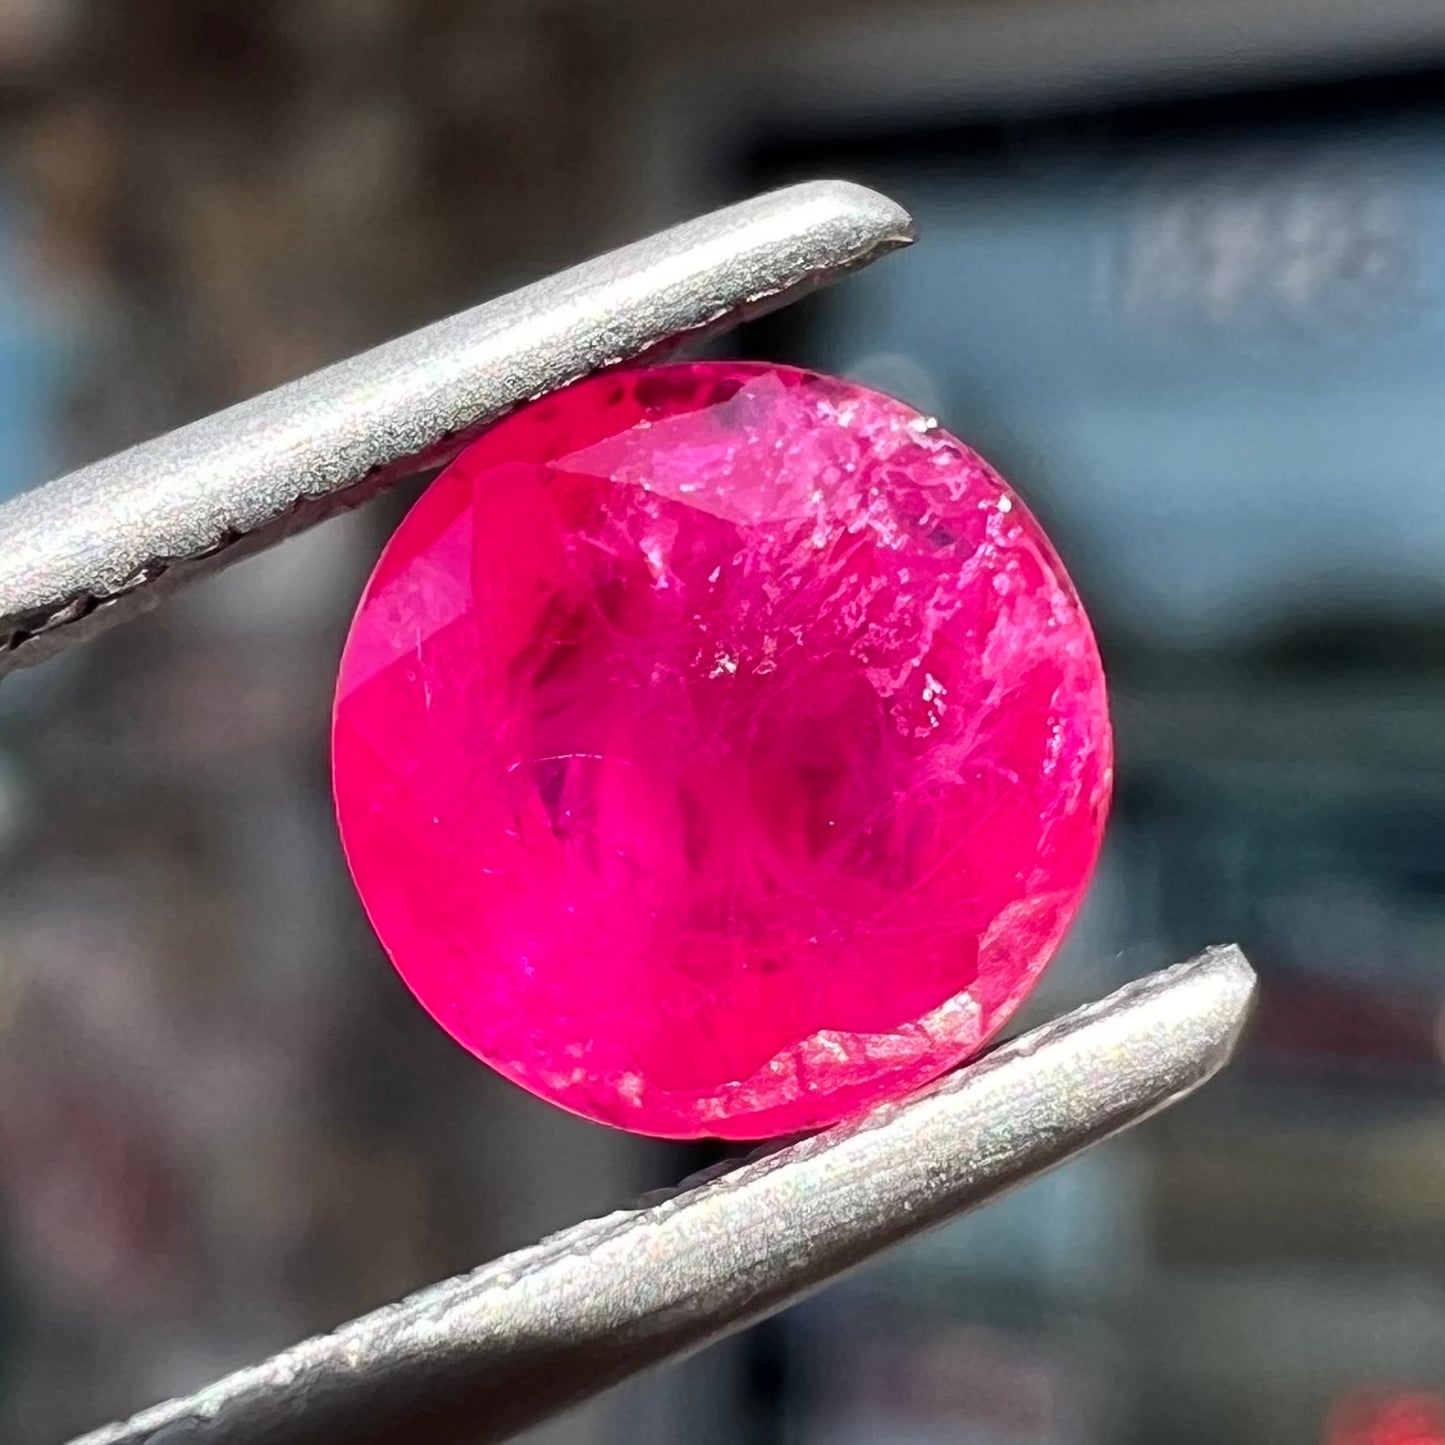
[{"x": 478, "y": 1358}]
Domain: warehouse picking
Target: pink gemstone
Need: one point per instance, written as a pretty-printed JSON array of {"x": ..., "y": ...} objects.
[{"x": 720, "y": 749}]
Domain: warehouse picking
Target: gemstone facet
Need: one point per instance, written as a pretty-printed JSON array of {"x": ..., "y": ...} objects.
[{"x": 719, "y": 749}]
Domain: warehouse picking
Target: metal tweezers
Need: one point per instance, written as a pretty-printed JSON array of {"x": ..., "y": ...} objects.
[{"x": 486, "y": 1355}]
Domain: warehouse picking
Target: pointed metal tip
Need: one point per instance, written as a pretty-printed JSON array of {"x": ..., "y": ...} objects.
[
  {"x": 1223, "y": 989},
  {"x": 1150, "y": 1043},
  {"x": 1195, "y": 1012},
  {"x": 871, "y": 212}
]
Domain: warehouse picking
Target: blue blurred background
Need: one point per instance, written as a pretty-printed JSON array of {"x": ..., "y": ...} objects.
[{"x": 1182, "y": 278}]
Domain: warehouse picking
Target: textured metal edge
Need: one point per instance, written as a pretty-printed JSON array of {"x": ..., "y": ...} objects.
[
  {"x": 109, "y": 540},
  {"x": 481, "y": 1357}
]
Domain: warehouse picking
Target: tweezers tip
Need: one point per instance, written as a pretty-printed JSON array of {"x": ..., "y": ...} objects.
[
  {"x": 1221, "y": 989},
  {"x": 886, "y": 224}
]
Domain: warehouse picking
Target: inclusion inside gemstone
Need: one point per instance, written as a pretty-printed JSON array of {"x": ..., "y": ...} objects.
[{"x": 719, "y": 749}]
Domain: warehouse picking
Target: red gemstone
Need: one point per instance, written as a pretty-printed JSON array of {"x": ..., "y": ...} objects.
[{"x": 719, "y": 749}]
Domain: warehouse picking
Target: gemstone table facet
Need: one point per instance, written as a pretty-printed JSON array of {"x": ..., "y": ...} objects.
[{"x": 719, "y": 749}]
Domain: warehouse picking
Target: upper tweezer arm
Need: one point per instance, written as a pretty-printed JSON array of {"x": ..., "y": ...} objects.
[
  {"x": 109, "y": 540},
  {"x": 478, "y": 1358}
]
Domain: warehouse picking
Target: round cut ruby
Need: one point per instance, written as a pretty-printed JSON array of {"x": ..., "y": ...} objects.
[{"x": 719, "y": 749}]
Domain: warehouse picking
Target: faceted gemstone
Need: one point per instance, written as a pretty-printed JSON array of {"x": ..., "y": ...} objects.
[{"x": 720, "y": 749}]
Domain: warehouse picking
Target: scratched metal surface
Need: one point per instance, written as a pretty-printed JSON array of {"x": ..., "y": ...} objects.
[
  {"x": 110, "y": 539},
  {"x": 478, "y": 1358}
]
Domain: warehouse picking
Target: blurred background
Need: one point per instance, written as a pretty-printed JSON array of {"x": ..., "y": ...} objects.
[{"x": 1182, "y": 278}]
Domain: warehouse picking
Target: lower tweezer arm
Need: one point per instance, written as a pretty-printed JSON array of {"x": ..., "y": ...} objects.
[{"x": 478, "y": 1358}]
